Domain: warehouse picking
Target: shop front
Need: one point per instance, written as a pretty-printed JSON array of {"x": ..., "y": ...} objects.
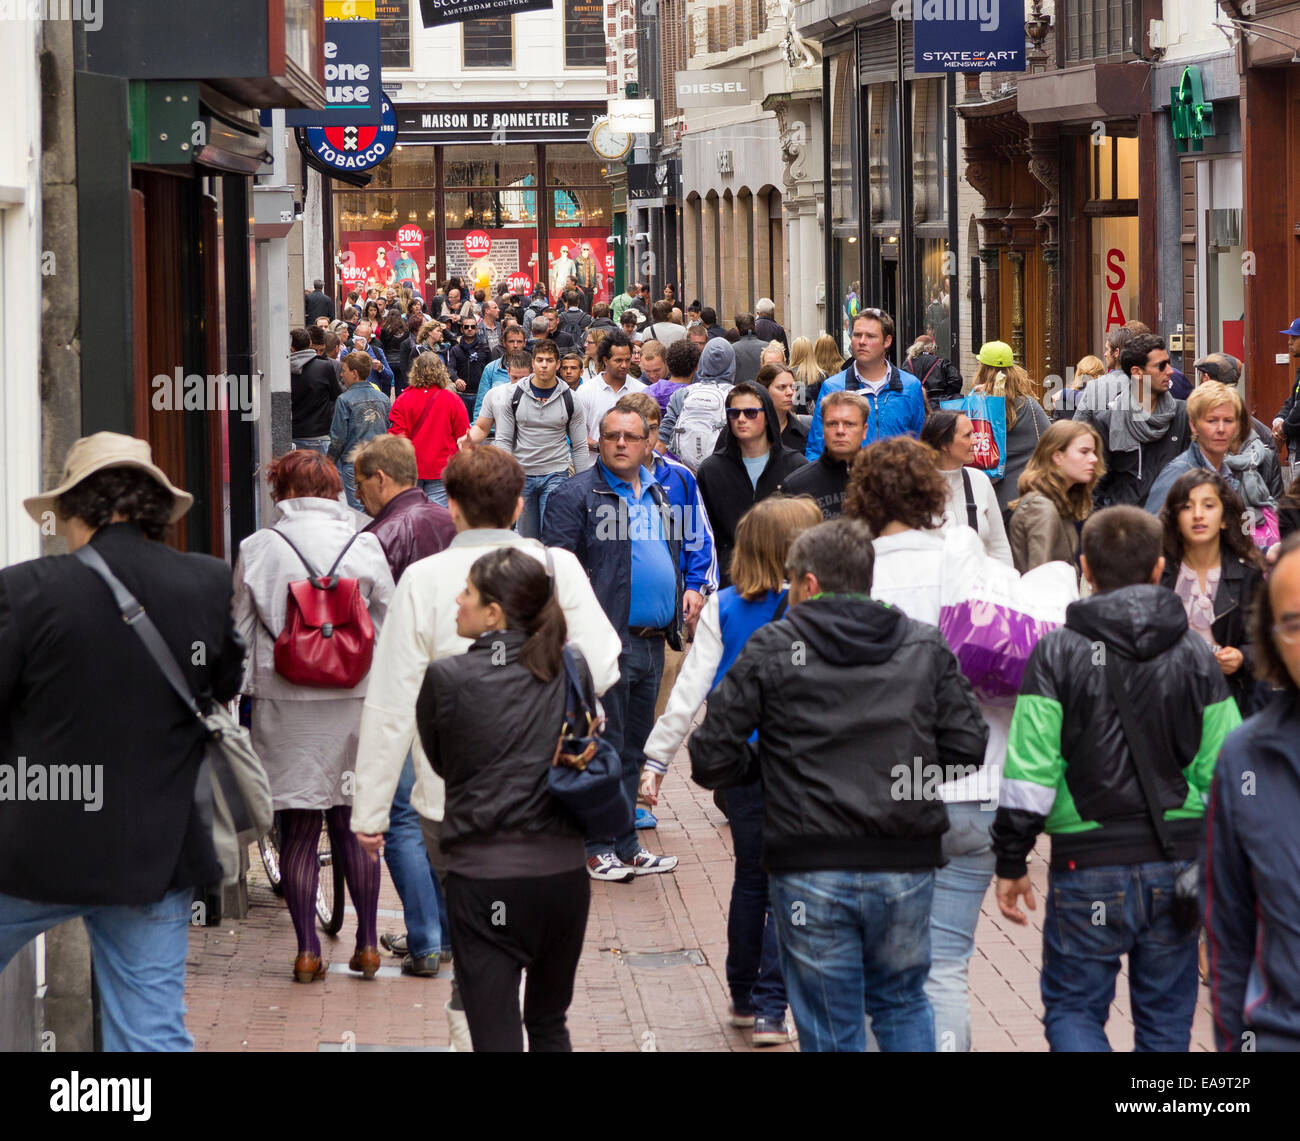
[
  {"x": 890, "y": 240},
  {"x": 487, "y": 193}
]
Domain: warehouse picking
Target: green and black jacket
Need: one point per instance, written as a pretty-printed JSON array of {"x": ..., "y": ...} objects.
[{"x": 1069, "y": 770}]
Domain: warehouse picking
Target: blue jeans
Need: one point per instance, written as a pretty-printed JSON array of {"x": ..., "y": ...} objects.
[
  {"x": 1096, "y": 915},
  {"x": 408, "y": 864},
  {"x": 753, "y": 961},
  {"x": 139, "y": 957},
  {"x": 434, "y": 489},
  {"x": 349, "y": 485},
  {"x": 629, "y": 716},
  {"x": 537, "y": 490},
  {"x": 852, "y": 944},
  {"x": 313, "y": 443},
  {"x": 959, "y": 889}
]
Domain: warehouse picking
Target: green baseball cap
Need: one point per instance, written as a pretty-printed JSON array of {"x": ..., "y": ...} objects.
[{"x": 996, "y": 354}]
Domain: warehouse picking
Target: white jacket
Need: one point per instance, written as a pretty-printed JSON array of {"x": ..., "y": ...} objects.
[
  {"x": 987, "y": 512},
  {"x": 909, "y": 574},
  {"x": 421, "y": 628},
  {"x": 319, "y": 528},
  {"x": 693, "y": 685}
]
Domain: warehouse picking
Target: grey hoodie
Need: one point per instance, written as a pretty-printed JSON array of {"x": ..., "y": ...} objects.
[
  {"x": 300, "y": 358},
  {"x": 717, "y": 366}
]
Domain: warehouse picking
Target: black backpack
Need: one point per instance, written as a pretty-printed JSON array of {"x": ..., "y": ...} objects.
[{"x": 518, "y": 397}]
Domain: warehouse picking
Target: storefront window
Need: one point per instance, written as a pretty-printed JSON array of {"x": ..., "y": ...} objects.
[
  {"x": 1115, "y": 278},
  {"x": 1113, "y": 168},
  {"x": 882, "y": 149},
  {"x": 934, "y": 266},
  {"x": 929, "y": 152},
  {"x": 573, "y": 164},
  {"x": 1225, "y": 284},
  {"x": 490, "y": 165},
  {"x": 584, "y": 33},
  {"x": 409, "y": 166},
  {"x": 384, "y": 239}
]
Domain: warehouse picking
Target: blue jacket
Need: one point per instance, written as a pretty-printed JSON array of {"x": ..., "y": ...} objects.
[
  {"x": 384, "y": 377},
  {"x": 899, "y": 410},
  {"x": 1190, "y": 460},
  {"x": 1252, "y": 894},
  {"x": 738, "y": 618},
  {"x": 579, "y": 515},
  {"x": 699, "y": 555},
  {"x": 495, "y": 373},
  {"x": 360, "y": 413}
]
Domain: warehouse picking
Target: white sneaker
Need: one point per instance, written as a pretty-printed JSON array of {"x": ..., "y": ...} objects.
[
  {"x": 607, "y": 866},
  {"x": 458, "y": 1023},
  {"x": 648, "y": 864}
]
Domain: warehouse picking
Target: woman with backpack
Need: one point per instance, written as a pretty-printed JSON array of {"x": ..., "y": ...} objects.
[
  {"x": 999, "y": 375},
  {"x": 517, "y": 885},
  {"x": 730, "y": 616},
  {"x": 306, "y": 734},
  {"x": 433, "y": 418}
]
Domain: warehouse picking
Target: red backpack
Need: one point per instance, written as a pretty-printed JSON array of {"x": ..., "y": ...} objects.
[{"x": 328, "y": 638}]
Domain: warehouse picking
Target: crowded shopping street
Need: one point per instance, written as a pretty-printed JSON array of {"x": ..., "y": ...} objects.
[{"x": 534, "y": 526}]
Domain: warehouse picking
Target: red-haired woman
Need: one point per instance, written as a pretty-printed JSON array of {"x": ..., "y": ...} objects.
[{"x": 307, "y": 737}]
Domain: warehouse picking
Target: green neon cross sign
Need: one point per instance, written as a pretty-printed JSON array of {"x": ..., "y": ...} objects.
[{"x": 1192, "y": 116}]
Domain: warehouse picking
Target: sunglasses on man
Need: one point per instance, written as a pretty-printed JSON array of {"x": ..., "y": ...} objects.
[{"x": 747, "y": 413}]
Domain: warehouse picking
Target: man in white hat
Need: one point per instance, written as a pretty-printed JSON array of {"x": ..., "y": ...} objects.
[{"x": 99, "y": 757}]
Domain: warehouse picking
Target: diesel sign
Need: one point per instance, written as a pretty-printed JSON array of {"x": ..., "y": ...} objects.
[{"x": 717, "y": 87}]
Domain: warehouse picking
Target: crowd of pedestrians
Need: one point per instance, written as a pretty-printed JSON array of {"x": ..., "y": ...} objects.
[{"x": 497, "y": 510}]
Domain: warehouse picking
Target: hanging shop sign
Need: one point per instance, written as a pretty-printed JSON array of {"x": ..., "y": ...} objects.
[
  {"x": 498, "y": 123},
  {"x": 717, "y": 87},
  {"x": 351, "y": 148},
  {"x": 1191, "y": 115},
  {"x": 435, "y": 13},
  {"x": 967, "y": 35},
  {"x": 352, "y": 83}
]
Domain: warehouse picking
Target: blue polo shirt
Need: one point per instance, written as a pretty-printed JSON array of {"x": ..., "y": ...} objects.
[{"x": 654, "y": 578}]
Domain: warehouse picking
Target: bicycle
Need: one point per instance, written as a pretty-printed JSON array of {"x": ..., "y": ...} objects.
[{"x": 330, "y": 892}]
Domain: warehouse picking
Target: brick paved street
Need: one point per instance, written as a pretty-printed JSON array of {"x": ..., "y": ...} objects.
[{"x": 241, "y": 994}]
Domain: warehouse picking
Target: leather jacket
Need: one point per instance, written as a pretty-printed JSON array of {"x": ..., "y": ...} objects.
[{"x": 409, "y": 527}]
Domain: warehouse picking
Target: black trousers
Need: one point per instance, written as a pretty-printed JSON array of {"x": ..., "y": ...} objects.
[{"x": 501, "y": 927}]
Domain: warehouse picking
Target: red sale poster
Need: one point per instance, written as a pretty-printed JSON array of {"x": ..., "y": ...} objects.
[
  {"x": 579, "y": 253},
  {"x": 372, "y": 260}
]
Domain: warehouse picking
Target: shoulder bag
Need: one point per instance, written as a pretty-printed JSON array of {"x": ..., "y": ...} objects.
[{"x": 232, "y": 795}]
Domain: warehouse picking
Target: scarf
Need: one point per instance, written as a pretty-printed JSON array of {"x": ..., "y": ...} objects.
[
  {"x": 1244, "y": 466},
  {"x": 1135, "y": 425}
]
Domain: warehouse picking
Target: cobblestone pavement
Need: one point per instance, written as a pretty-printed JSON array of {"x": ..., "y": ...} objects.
[{"x": 242, "y": 996}]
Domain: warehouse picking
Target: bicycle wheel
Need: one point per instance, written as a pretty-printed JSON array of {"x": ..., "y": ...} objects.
[
  {"x": 329, "y": 887},
  {"x": 269, "y": 848}
]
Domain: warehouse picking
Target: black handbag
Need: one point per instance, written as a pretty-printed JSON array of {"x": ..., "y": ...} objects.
[
  {"x": 1186, "y": 904},
  {"x": 586, "y": 773}
]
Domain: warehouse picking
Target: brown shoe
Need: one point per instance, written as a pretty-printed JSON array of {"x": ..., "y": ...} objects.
[
  {"x": 308, "y": 968},
  {"x": 365, "y": 960}
]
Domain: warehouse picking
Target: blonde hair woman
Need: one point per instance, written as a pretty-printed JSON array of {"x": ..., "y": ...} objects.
[
  {"x": 827, "y": 355},
  {"x": 999, "y": 375},
  {"x": 1056, "y": 496},
  {"x": 1224, "y": 441},
  {"x": 807, "y": 374},
  {"x": 1086, "y": 371},
  {"x": 433, "y": 418}
]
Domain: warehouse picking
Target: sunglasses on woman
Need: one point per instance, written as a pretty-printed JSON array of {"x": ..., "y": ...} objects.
[{"x": 747, "y": 413}]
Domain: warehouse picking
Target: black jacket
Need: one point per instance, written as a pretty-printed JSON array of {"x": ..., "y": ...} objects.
[
  {"x": 725, "y": 486},
  {"x": 939, "y": 376},
  {"x": 1129, "y": 475},
  {"x": 825, "y": 479},
  {"x": 318, "y": 305},
  {"x": 466, "y": 361},
  {"x": 765, "y": 329},
  {"x": 489, "y": 728},
  {"x": 575, "y": 323},
  {"x": 1066, "y": 735},
  {"x": 1238, "y": 582},
  {"x": 830, "y": 799},
  {"x": 1289, "y": 414},
  {"x": 77, "y": 687},
  {"x": 312, "y": 393},
  {"x": 795, "y": 436}
]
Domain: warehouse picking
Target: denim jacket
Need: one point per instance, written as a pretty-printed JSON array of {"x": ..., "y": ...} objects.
[
  {"x": 360, "y": 414},
  {"x": 577, "y": 519}
]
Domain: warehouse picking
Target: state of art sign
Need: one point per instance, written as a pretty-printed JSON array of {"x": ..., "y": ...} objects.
[{"x": 435, "y": 13}]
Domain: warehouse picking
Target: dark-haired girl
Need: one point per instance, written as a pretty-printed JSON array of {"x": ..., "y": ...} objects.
[
  {"x": 1212, "y": 565},
  {"x": 517, "y": 885}
]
